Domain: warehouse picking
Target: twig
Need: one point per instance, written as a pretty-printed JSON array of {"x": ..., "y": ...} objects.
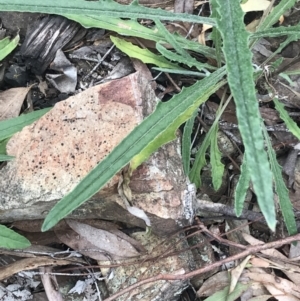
[
  {"x": 100, "y": 61},
  {"x": 250, "y": 250},
  {"x": 202, "y": 205}
]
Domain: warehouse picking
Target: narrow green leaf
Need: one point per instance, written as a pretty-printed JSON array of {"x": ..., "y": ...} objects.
[
  {"x": 170, "y": 38},
  {"x": 215, "y": 35},
  {"x": 5, "y": 157},
  {"x": 241, "y": 188},
  {"x": 9, "y": 239},
  {"x": 275, "y": 14},
  {"x": 155, "y": 130},
  {"x": 180, "y": 59},
  {"x": 290, "y": 123},
  {"x": 217, "y": 167},
  {"x": 133, "y": 28},
  {"x": 285, "y": 76},
  {"x": 276, "y": 32},
  {"x": 187, "y": 142},
  {"x": 282, "y": 191},
  {"x": 182, "y": 72},
  {"x": 144, "y": 55},
  {"x": 200, "y": 160},
  {"x": 240, "y": 79},
  {"x": 13, "y": 125},
  {"x": 107, "y": 8},
  {"x": 7, "y": 48}
]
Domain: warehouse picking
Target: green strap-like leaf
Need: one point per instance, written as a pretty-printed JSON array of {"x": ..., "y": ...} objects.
[
  {"x": 7, "y": 46},
  {"x": 240, "y": 79},
  {"x": 276, "y": 32},
  {"x": 241, "y": 188},
  {"x": 187, "y": 142},
  {"x": 106, "y": 8},
  {"x": 154, "y": 131},
  {"x": 217, "y": 167},
  {"x": 9, "y": 239},
  {"x": 180, "y": 59},
  {"x": 13, "y": 125},
  {"x": 215, "y": 35},
  {"x": 289, "y": 122},
  {"x": 200, "y": 160},
  {"x": 144, "y": 55},
  {"x": 282, "y": 191}
]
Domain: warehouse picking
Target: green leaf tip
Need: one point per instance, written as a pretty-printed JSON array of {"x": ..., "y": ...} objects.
[
  {"x": 135, "y": 2},
  {"x": 10, "y": 239}
]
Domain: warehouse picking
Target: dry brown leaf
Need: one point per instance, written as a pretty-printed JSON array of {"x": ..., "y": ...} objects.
[
  {"x": 255, "y": 5},
  {"x": 280, "y": 295},
  {"x": 29, "y": 264},
  {"x": 75, "y": 241},
  {"x": 259, "y": 262},
  {"x": 236, "y": 273},
  {"x": 285, "y": 267},
  {"x": 201, "y": 37},
  {"x": 270, "y": 281},
  {"x": 214, "y": 284},
  {"x": 104, "y": 240},
  {"x": 113, "y": 228},
  {"x": 11, "y": 101}
]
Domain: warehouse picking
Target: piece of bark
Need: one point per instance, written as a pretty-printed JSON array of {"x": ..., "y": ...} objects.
[
  {"x": 54, "y": 153},
  {"x": 44, "y": 38}
]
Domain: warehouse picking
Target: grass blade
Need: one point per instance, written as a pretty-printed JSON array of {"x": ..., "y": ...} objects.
[
  {"x": 200, "y": 160},
  {"x": 275, "y": 14},
  {"x": 157, "y": 129},
  {"x": 186, "y": 143},
  {"x": 240, "y": 79},
  {"x": 289, "y": 122},
  {"x": 217, "y": 167},
  {"x": 276, "y": 32},
  {"x": 241, "y": 188},
  {"x": 281, "y": 189},
  {"x": 180, "y": 59}
]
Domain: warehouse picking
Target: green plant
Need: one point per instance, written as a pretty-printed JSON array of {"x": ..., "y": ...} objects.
[{"x": 160, "y": 126}]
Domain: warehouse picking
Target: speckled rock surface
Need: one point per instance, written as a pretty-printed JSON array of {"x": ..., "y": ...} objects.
[{"x": 54, "y": 153}]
